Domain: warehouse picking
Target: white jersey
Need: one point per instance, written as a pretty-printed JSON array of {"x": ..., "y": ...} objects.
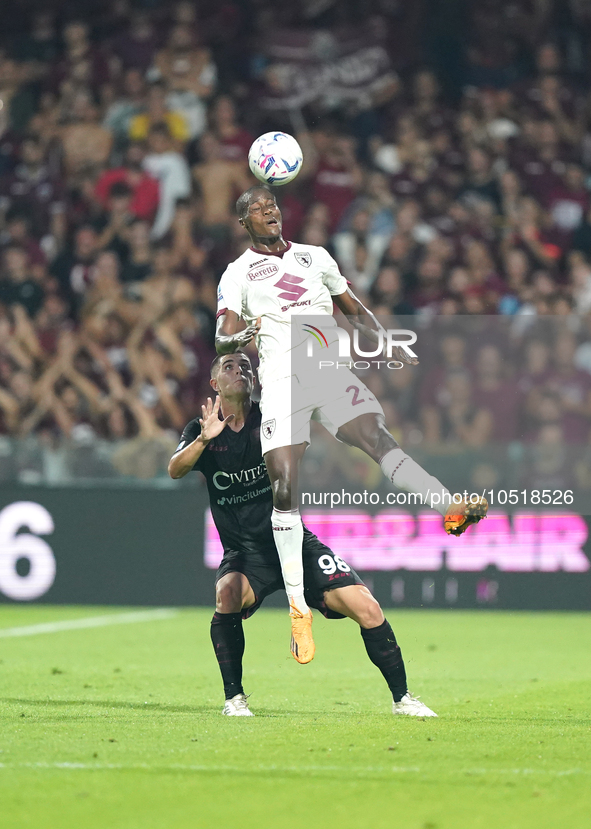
[{"x": 275, "y": 287}]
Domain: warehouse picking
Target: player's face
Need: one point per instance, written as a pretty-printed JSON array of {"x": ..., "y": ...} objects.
[
  {"x": 263, "y": 220},
  {"x": 235, "y": 376}
]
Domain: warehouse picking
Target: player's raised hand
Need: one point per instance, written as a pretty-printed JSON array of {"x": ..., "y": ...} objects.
[
  {"x": 243, "y": 338},
  {"x": 211, "y": 425},
  {"x": 399, "y": 354}
]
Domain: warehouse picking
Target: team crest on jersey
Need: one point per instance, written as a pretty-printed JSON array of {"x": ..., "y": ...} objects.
[
  {"x": 263, "y": 271},
  {"x": 268, "y": 428},
  {"x": 304, "y": 259}
]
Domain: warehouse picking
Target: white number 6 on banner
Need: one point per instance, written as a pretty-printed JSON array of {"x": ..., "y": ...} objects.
[{"x": 15, "y": 545}]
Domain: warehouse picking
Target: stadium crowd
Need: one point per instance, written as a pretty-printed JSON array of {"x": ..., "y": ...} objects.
[{"x": 458, "y": 187}]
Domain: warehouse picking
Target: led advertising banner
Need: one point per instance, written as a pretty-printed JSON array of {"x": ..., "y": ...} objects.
[
  {"x": 519, "y": 560},
  {"x": 152, "y": 547}
]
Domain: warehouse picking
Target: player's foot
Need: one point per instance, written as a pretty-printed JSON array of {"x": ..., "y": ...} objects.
[
  {"x": 302, "y": 643},
  {"x": 237, "y": 707},
  {"x": 462, "y": 515},
  {"x": 412, "y": 707}
]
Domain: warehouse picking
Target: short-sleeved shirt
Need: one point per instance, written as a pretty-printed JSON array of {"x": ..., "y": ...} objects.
[
  {"x": 239, "y": 488},
  {"x": 300, "y": 280}
]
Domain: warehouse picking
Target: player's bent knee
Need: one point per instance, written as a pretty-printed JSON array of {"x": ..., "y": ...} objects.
[
  {"x": 370, "y": 613},
  {"x": 228, "y": 593},
  {"x": 282, "y": 494}
]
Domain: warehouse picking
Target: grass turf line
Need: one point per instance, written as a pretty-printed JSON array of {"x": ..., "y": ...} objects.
[{"x": 120, "y": 726}]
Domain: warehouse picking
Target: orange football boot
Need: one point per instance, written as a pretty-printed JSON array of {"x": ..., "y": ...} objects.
[
  {"x": 302, "y": 643},
  {"x": 462, "y": 515}
]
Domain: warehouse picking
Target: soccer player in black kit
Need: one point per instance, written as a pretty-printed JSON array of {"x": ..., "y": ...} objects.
[{"x": 227, "y": 450}]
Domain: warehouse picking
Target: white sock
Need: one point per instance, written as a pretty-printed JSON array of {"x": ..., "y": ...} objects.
[
  {"x": 288, "y": 532},
  {"x": 406, "y": 474}
]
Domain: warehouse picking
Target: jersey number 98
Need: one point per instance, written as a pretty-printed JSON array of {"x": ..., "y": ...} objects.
[{"x": 330, "y": 564}]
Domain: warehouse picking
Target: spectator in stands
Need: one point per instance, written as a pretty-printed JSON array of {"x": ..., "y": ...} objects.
[
  {"x": 73, "y": 267},
  {"x": 387, "y": 293},
  {"x": 32, "y": 189},
  {"x": 359, "y": 251},
  {"x": 234, "y": 139},
  {"x": 190, "y": 247},
  {"x": 38, "y": 47},
  {"x": 337, "y": 174},
  {"x": 18, "y": 232},
  {"x": 458, "y": 420},
  {"x": 190, "y": 76},
  {"x": 219, "y": 183},
  {"x": 113, "y": 226},
  {"x": 139, "y": 262},
  {"x": 573, "y": 388},
  {"x": 159, "y": 114},
  {"x": 568, "y": 204},
  {"x": 135, "y": 48},
  {"x": 126, "y": 105},
  {"x": 18, "y": 286},
  {"x": 144, "y": 188},
  {"x": 82, "y": 62},
  {"x": 15, "y": 93},
  {"x": 170, "y": 169},
  {"x": 86, "y": 144},
  {"x": 495, "y": 391},
  {"x": 164, "y": 289}
]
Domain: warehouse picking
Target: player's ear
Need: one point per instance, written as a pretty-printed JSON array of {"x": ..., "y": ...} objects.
[{"x": 214, "y": 384}]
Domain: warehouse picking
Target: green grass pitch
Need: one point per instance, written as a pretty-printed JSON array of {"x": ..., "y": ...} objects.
[{"x": 119, "y": 727}]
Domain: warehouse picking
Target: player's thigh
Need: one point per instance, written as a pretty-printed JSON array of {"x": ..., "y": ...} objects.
[
  {"x": 282, "y": 466},
  {"x": 323, "y": 572},
  {"x": 285, "y": 414},
  {"x": 352, "y": 413},
  {"x": 356, "y": 602},
  {"x": 233, "y": 593}
]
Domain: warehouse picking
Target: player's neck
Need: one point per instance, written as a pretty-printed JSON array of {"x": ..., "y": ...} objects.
[
  {"x": 239, "y": 407},
  {"x": 266, "y": 244}
]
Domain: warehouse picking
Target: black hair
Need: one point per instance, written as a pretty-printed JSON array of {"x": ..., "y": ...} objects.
[
  {"x": 119, "y": 189},
  {"x": 243, "y": 202},
  {"x": 217, "y": 360},
  {"x": 18, "y": 213},
  {"x": 159, "y": 129}
]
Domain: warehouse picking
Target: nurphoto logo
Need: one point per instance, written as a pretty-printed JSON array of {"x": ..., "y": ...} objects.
[{"x": 387, "y": 342}]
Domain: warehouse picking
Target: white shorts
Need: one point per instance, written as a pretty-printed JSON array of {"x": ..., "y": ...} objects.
[{"x": 287, "y": 406}]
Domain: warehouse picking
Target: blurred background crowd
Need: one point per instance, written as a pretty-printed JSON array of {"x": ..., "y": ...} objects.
[{"x": 447, "y": 168}]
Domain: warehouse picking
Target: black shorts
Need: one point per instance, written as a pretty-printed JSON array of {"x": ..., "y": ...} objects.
[{"x": 323, "y": 570}]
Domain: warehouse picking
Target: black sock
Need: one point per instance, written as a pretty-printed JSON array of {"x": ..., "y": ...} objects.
[
  {"x": 384, "y": 652},
  {"x": 227, "y": 637}
]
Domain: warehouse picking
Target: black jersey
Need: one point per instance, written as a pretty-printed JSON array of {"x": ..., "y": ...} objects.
[{"x": 239, "y": 487}]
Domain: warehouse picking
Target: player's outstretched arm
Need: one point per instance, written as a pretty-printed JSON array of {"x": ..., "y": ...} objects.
[
  {"x": 183, "y": 460},
  {"x": 356, "y": 313}
]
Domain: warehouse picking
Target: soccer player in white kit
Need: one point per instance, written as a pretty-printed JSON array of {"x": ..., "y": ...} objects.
[{"x": 269, "y": 286}]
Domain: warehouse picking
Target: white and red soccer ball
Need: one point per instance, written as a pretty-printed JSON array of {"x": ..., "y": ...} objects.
[{"x": 275, "y": 158}]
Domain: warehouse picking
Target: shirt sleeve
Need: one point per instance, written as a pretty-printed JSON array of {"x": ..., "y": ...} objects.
[
  {"x": 332, "y": 277},
  {"x": 229, "y": 294},
  {"x": 191, "y": 431}
]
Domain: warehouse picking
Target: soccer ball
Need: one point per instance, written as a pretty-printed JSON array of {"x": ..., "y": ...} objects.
[{"x": 275, "y": 158}]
